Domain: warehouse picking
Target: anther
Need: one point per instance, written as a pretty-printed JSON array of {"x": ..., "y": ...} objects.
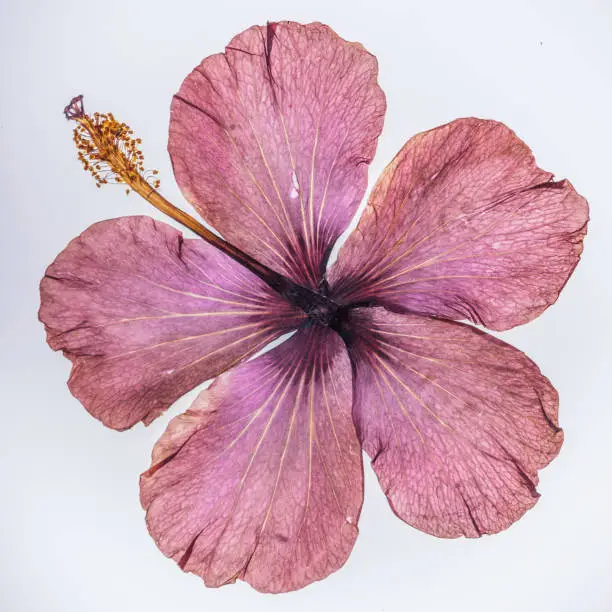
[{"x": 107, "y": 149}]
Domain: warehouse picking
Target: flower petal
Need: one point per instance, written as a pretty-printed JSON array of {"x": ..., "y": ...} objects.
[
  {"x": 463, "y": 225},
  {"x": 270, "y": 141},
  {"x": 457, "y": 422},
  {"x": 145, "y": 316},
  {"x": 262, "y": 480}
]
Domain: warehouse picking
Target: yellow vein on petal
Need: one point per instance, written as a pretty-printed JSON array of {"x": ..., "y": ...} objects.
[
  {"x": 284, "y": 454},
  {"x": 216, "y": 429},
  {"x": 190, "y": 294},
  {"x": 267, "y": 427},
  {"x": 267, "y": 226},
  {"x": 436, "y": 338},
  {"x": 229, "y": 276},
  {"x": 263, "y": 194},
  {"x": 248, "y": 353},
  {"x": 287, "y": 440},
  {"x": 293, "y": 237},
  {"x": 249, "y": 296},
  {"x": 178, "y": 315},
  {"x": 240, "y": 156},
  {"x": 271, "y": 207},
  {"x": 483, "y": 209},
  {"x": 325, "y": 190},
  {"x": 432, "y": 278},
  {"x": 328, "y": 475},
  {"x": 486, "y": 255},
  {"x": 436, "y": 258},
  {"x": 268, "y": 169},
  {"x": 467, "y": 405},
  {"x": 402, "y": 455},
  {"x": 283, "y": 376},
  {"x": 311, "y": 239},
  {"x": 243, "y": 203},
  {"x": 256, "y": 300},
  {"x": 411, "y": 392},
  {"x": 438, "y": 361},
  {"x": 373, "y": 272},
  {"x": 223, "y": 348},
  {"x": 310, "y": 436},
  {"x": 291, "y": 159},
  {"x": 234, "y": 441},
  {"x": 280, "y": 198},
  {"x": 399, "y": 402},
  {"x": 177, "y": 291},
  {"x": 185, "y": 339},
  {"x": 395, "y": 324},
  {"x": 429, "y": 236},
  {"x": 328, "y": 408},
  {"x": 430, "y": 291}
]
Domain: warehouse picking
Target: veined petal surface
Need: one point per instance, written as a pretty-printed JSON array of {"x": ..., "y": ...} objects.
[
  {"x": 262, "y": 480},
  {"x": 145, "y": 316},
  {"x": 271, "y": 140},
  {"x": 456, "y": 422},
  {"x": 463, "y": 225}
]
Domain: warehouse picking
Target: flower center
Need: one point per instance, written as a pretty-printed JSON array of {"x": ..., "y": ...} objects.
[{"x": 316, "y": 305}]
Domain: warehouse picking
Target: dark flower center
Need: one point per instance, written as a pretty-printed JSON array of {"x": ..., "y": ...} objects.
[{"x": 319, "y": 307}]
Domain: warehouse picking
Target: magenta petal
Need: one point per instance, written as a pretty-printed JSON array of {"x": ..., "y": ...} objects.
[
  {"x": 261, "y": 480},
  {"x": 270, "y": 141},
  {"x": 145, "y": 316},
  {"x": 457, "y": 422},
  {"x": 462, "y": 224}
]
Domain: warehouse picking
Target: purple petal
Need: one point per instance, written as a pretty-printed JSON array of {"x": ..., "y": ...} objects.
[
  {"x": 462, "y": 224},
  {"x": 270, "y": 141},
  {"x": 145, "y": 316},
  {"x": 457, "y": 422},
  {"x": 261, "y": 480}
]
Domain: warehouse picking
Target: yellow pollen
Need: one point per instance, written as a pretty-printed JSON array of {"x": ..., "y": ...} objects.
[{"x": 108, "y": 150}]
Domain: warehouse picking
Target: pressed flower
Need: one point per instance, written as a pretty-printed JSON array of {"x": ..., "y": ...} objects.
[{"x": 262, "y": 478}]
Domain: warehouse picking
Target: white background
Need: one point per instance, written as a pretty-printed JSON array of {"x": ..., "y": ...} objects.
[{"x": 72, "y": 534}]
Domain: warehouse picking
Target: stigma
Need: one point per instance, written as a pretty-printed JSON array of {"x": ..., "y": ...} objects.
[{"x": 108, "y": 150}]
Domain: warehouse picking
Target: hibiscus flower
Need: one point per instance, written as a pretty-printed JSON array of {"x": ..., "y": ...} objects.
[{"x": 262, "y": 478}]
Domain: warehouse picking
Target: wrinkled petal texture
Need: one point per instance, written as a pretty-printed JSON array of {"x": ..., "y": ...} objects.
[
  {"x": 464, "y": 225},
  {"x": 271, "y": 140},
  {"x": 456, "y": 422},
  {"x": 145, "y": 316},
  {"x": 261, "y": 480}
]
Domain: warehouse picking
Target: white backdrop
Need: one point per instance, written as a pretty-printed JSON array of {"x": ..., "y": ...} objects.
[{"x": 72, "y": 534}]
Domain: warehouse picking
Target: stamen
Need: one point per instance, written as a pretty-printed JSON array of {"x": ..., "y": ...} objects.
[{"x": 107, "y": 148}]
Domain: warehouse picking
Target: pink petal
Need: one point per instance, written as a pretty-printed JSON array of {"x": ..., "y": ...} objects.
[
  {"x": 145, "y": 316},
  {"x": 462, "y": 224},
  {"x": 270, "y": 141},
  {"x": 457, "y": 422},
  {"x": 261, "y": 480}
]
